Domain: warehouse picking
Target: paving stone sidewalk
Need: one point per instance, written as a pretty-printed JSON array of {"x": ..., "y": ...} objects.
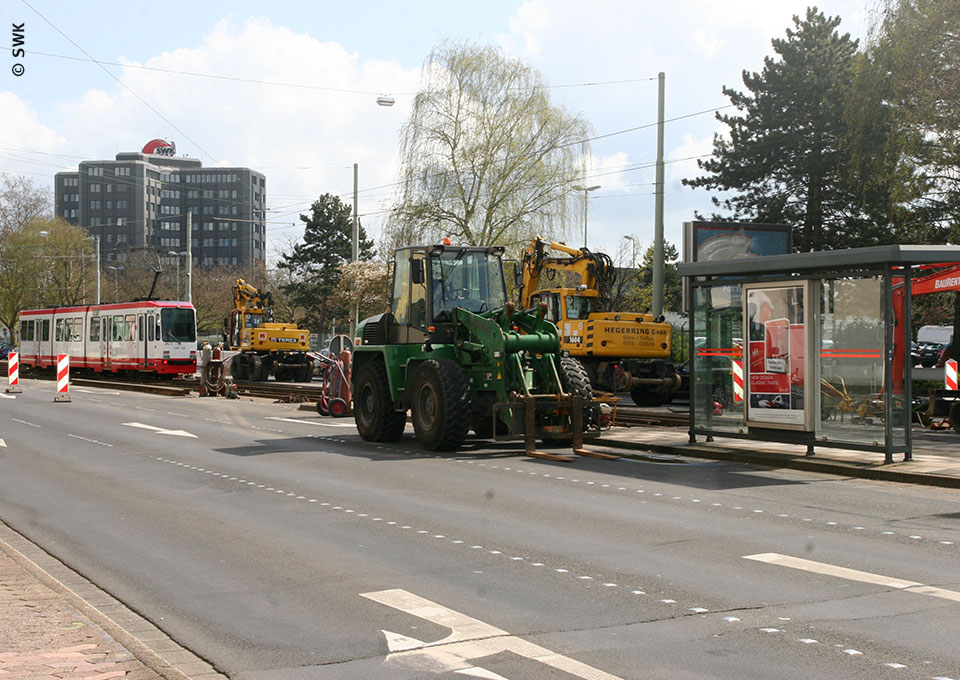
[{"x": 43, "y": 636}]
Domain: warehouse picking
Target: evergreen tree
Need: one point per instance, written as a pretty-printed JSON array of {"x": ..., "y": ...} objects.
[
  {"x": 314, "y": 264},
  {"x": 784, "y": 160}
]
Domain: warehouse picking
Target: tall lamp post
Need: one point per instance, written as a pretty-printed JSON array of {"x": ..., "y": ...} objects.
[
  {"x": 178, "y": 256},
  {"x": 586, "y": 194},
  {"x": 116, "y": 279}
]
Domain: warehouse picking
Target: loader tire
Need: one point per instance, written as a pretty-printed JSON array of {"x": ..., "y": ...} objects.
[
  {"x": 575, "y": 380},
  {"x": 440, "y": 407},
  {"x": 377, "y": 420}
]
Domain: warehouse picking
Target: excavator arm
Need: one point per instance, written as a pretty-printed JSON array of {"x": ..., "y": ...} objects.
[{"x": 595, "y": 270}]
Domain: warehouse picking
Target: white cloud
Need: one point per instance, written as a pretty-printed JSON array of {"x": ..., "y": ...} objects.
[
  {"x": 22, "y": 130},
  {"x": 304, "y": 139}
]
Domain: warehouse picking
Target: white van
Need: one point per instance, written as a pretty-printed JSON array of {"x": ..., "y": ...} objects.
[{"x": 935, "y": 334}]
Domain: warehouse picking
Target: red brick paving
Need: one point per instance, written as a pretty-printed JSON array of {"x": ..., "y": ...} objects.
[{"x": 43, "y": 638}]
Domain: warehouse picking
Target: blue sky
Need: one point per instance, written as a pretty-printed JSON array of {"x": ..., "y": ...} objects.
[{"x": 305, "y": 139}]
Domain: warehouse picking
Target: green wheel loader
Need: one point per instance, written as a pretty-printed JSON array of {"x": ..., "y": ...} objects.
[{"x": 457, "y": 355}]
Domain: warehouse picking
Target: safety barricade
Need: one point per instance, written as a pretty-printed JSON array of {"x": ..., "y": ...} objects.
[
  {"x": 737, "y": 381},
  {"x": 950, "y": 374},
  {"x": 63, "y": 378},
  {"x": 13, "y": 373}
]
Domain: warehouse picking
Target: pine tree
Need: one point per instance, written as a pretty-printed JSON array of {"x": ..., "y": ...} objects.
[
  {"x": 314, "y": 264},
  {"x": 784, "y": 159}
]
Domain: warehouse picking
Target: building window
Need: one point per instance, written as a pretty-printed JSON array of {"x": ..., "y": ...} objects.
[
  {"x": 95, "y": 188},
  {"x": 122, "y": 204}
]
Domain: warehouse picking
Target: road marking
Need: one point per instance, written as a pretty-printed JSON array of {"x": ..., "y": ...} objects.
[
  {"x": 96, "y": 391},
  {"x": 86, "y": 439},
  {"x": 8, "y": 396},
  {"x": 469, "y": 639},
  {"x": 3, "y": 443},
  {"x": 310, "y": 422},
  {"x": 24, "y": 422},
  {"x": 160, "y": 430},
  {"x": 854, "y": 575}
]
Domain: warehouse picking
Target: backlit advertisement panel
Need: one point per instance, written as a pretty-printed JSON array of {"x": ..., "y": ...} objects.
[{"x": 774, "y": 318}]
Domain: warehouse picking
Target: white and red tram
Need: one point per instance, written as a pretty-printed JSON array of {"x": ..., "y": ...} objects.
[{"x": 149, "y": 337}]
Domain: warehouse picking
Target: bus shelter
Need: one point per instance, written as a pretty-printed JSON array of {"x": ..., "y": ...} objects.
[{"x": 809, "y": 348}]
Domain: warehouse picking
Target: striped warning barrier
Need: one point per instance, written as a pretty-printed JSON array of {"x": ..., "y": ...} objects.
[
  {"x": 737, "y": 380},
  {"x": 63, "y": 378},
  {"x": 950, "y": 374},
  {"x": 13, "y": 373}
]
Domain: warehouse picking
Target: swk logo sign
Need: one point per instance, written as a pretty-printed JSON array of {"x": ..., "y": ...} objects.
[{"x": 18, "y": 51}]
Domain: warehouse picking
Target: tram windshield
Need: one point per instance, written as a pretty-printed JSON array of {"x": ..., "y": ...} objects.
[{"x": 178, "y": 325}]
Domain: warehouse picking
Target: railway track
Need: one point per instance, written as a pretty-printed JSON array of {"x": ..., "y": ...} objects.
[{"x": 633, "y": 416}]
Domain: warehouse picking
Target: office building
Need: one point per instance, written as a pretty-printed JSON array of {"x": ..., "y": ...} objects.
[{"x": 141, "y": 200}]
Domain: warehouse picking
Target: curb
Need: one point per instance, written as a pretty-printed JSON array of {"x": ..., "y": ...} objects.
[
  {"x": 886, "y": 473},
  {"x": 137, "y": 635}
]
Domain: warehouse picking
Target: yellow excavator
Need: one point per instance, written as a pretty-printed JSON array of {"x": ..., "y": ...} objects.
[
  {"x": 621, "y": 351},
  {"x": 265, "y": 347}
]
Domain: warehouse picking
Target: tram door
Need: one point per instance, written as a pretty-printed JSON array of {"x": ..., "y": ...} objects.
[
  {"x": 106, "y": 335},
  {"x": 142, "y": 338}
]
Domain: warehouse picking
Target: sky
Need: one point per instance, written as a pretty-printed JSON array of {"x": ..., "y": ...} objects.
[{"x": 290, "y": 88}]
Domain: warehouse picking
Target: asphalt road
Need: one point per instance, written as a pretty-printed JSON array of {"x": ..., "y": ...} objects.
[{"x": 278, "y": 545}]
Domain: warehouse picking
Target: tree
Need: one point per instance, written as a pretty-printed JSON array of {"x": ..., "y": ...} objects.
[
  {"x": 21, "y": 201},
  {"x": 642, "y": 299},
  {"x": 784, "y": 158},
  {"x": 485, "y": 157},
  {"x": 365, "y": 284},
  {"x": 314, "y": 264},
  {"x": 915, "y": 59}
]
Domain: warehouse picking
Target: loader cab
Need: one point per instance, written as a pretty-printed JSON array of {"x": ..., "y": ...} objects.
[{"x": 429, "y": 282}]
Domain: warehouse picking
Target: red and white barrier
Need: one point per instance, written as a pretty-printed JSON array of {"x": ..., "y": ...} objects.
[
  {"x": 63, "y": 378},
  {"x": 950, "y": 374},
  {"x": 13, "y": 373},
  {"x": 737, "y": 381}
]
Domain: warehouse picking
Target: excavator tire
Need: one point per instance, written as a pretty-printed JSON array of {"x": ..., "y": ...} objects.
[
  {"x": 373, "y": 411},
  {"x": 440, "y": 407}
]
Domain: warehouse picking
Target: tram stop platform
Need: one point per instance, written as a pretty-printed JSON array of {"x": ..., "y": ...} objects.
[{"x": 936, "y": 454}]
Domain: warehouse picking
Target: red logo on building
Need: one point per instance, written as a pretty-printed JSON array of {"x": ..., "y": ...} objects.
[{"x": 160, "y": 147}]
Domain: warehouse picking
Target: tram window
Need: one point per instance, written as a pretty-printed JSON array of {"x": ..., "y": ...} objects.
[
  {"x": 76, "y": 333},
  {"x": 131, "y": 324},
  {"x": 140, "y": 328},
  {"x": 157, "y": 332},
  {"x": 150, "y": 322},
  {"x": 94, "y": 329},
  {"x": 117, "y": 328},
  {"x": 26, "y": 330},
  {"x": 58, "y": 331},
  {"x": 45, "y": 334}
]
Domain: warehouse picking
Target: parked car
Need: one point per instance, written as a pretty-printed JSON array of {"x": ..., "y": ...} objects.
[
  {"x": 915, "y": 353},
  {"x": 4, "y": 351},
  {"x": 930, "y": 353}
]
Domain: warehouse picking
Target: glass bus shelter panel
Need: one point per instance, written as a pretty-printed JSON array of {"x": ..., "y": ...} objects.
[
  {"x": 716, "y": 403},
  {"x": 852, "y": 402}
]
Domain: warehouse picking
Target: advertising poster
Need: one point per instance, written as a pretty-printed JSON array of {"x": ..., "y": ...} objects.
[{"x": 774, "y": 318}]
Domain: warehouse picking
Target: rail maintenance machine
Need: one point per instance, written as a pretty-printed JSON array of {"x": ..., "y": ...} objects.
[
  {"x": 455, "y": 353},
  {"x": 621, "y": 351},
  {"x": 265, "y": 347}
]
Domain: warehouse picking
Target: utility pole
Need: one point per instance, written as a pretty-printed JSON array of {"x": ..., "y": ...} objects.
[
  {"x": 189, "y": 258},
  {"x": 658, "y": 209},
  {"x": 96, "y": 254},
  {"x": 355, "y": 253}
]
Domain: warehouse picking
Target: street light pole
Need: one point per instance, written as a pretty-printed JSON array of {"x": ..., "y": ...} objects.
[{"x": 586, "y": 193}]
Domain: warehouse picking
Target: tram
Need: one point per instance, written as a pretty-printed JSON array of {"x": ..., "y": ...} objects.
[{"x": 151, "y": 336}]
